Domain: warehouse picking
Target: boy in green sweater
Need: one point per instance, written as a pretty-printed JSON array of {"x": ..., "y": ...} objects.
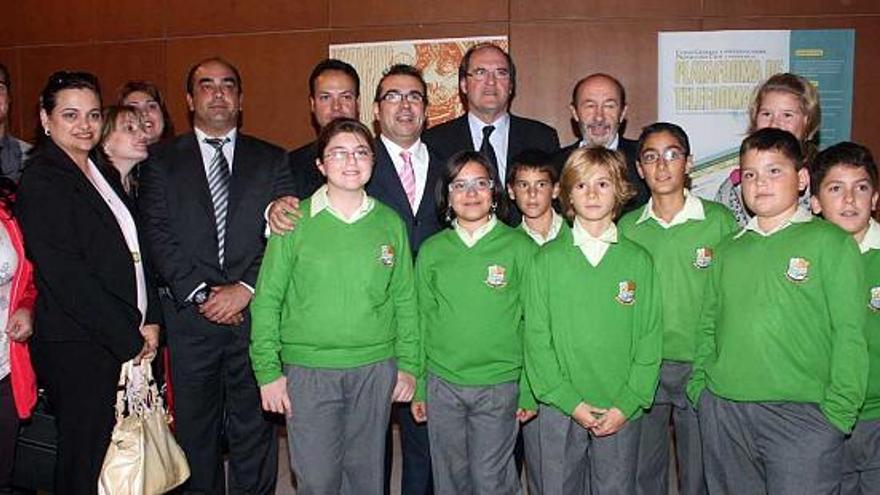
[
  {"x": 593, "y": 339},
  {"x": 533, "y": 185},
  {"x": 844, "y": 191},
  {"x": 471, "y": 387},
  {"x": 335, "y": 328},
  {"x": 680, "y": 231},
  {"x": 781, "y": 360}
]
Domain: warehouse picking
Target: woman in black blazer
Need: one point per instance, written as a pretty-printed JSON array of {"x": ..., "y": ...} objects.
[{"x": 94, "y": 306}]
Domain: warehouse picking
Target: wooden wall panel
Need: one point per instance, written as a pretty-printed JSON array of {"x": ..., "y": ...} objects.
[
  {"x": 353, "y": 13},
  {"x": 526, "y": 10},
  {"x": 54, "y": 21},
  {"x": 130, "y": 20},
  {"x": 9, "y": 58},
  {"x": 761, "y": 8},
  {"x": 553, "y": 56},
  {"x": 200, "y": 17},
  {"x": 274, "y": 70}
]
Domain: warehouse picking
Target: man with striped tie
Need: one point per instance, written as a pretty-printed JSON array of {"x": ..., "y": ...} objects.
[{"x": 202, "y": 197}]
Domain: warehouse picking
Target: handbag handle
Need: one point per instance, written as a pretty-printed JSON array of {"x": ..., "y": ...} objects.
[{"x": 147, "y": 397}]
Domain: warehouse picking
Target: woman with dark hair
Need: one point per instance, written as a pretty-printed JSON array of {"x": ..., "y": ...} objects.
[
  {"x": 96, "y": 309},
  {"x": 17, "y": 293},
  {"x": 146, "y": 98}
]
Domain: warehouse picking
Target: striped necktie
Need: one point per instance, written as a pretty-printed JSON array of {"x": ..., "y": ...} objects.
[
  {"x": 218, "y": 185},
  {"x": 408, "y": 178}
]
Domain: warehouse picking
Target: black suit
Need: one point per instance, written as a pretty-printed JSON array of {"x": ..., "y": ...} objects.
[
  {"x": 86, "y": 315},
  {"x": 214, "y": 386},
  {"x": 306, "y": 176},
  {"x": 524, "y": 134},
  {"x": 630, "y": 150},
  {"x": 385, "y": 186}
]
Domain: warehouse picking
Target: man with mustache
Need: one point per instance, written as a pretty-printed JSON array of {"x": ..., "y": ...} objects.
[
  {"x": 202, "y": 198},
  {"x": 598, "y": 106},
  {"x": 487, "y": 80}
]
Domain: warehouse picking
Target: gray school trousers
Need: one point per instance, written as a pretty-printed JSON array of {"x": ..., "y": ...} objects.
[
  {"x": 472, "y": 432},
  {"x": 779, "y": 448},
  {"x": 531, "y": 433},
  {"x": 671, "y": 402},
  {"x": 861, "y": 459},
  {"x": 574, "y": 462},
  {"x": 336, "y": 435}
]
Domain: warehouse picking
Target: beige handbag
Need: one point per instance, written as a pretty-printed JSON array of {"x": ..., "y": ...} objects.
[{"x": 143, "y": 457}]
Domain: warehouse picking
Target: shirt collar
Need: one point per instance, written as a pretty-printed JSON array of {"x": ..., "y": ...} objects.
[
  {"x": 201, "y": 136},
  {"x": 692, "y": 210},
  {"x": 417, "y": 150},
  {"x": 555, "y": 227},
  {"x": 582, "y": 237},
  {"x": 501, "y": 124},
  {"x": 471, "y": 240},
  {"x": 321, "y": 202},
  {"x": 800, "y": 216},
  {"x": 872, "y": 237}
]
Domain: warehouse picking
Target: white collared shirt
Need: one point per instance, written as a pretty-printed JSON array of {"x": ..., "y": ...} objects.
[
  {"x": 593, "y": 248},
  {"x": 208, "y": 150},
  {"x": 498, "y": 138},
  {"x": 321, "y": 202},
  {"x": 692, "y": 210},
  {"x": 555, "y": 227},
  {"x": 471, "y": 240},
  {"x": 800, "y": 216},
  {"x": 420, "y": 158},
  {"x": 872, "y": 237},
  {"x": 609, "y": 146}
]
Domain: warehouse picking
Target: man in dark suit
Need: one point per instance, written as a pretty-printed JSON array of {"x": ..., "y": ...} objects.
[
  {"x": 334, "y": 91},
  {"x": 405, "y": 175},
  {"x": 202, "y": 197},
  {"x": 598, "y": 106},
  {"x": 487, "y": 79}
]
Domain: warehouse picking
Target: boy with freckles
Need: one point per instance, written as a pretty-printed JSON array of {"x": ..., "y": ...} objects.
[
  {"x": 781, "y": 359},
  {"x": 844, "y": 192}
]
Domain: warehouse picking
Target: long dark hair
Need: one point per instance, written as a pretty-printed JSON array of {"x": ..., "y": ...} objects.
[{"x": 7, "y": 195}]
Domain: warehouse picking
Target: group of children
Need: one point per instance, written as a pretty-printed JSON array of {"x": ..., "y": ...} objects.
[{"x": 591, "y": 335}]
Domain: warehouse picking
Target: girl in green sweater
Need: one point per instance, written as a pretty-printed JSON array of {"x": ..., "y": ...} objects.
[
  {"x": 593, "y": 339},
  {"x": 471, "y": 388},
  {"x": 334, "y": 338}
]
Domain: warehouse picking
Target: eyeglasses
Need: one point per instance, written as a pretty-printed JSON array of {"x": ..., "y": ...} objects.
[
  {"x": 669, "y": 155},
  {"x": 481, "y": 74},
  {"x": 479, "y": 184},
  {"x": 360, "y": 155},
  {"x": 397, "y": 97}
]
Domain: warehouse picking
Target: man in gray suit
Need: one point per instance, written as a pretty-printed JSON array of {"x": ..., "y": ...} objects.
[{"x": 12, "y": 150}]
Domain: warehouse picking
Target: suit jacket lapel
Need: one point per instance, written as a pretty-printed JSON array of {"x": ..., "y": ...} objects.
[
  {"x": 386, "y": 179},
  {"x": 242, "y": 172},
  {"x": 463, "y": 134},
  {"x": 428, "y": 205},
  {"x": 514, "y": 138},
  {"x": 192, "y": 168}
]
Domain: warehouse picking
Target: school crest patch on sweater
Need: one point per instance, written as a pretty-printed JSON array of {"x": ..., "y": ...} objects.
[
  {"x": 386, "y": 254},
  {"x": 626, "y": 292},
  {"x": 874, "y": 303},
  {"x": 798, "y": 269},
  {"x": 703, "y": 257},
  {"x": 497, "y": 276}
]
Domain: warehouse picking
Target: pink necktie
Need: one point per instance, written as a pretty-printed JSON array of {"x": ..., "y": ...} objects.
[{"x": 408, "y": 178}]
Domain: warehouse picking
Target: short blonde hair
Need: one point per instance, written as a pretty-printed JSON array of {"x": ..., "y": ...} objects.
[{"x": 581, "y": 164}]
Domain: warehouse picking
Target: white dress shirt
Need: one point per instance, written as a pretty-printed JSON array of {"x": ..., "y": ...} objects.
[
  {"x": 498, "y": 139},
  {"x": 420, "y": 158}
]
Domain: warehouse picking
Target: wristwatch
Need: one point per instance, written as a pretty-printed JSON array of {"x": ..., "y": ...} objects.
[{"x": 201, "y": 295}]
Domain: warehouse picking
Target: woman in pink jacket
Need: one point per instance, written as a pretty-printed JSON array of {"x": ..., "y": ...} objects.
[{"x": 18, "y": 391}]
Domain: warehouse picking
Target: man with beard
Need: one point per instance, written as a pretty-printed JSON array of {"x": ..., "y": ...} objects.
[{"x": 598, "y": 105}]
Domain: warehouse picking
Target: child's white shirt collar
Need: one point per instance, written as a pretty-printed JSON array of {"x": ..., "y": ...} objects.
[
  {"x": 321, "y": 202},
  {"x": 593, "y": 248},
  {"x": 692, "y": 210},
  {"x": 872, "y": 237},
  {"x": 555, "y": 227},
  {"x": 800, "y": 215},
  {"x": 471, "y": 240}
]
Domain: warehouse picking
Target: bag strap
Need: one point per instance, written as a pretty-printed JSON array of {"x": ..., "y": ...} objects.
[{"x": 121, "y": 386}]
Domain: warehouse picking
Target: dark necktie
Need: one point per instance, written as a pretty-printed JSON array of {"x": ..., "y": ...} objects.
[
  {"x": 488, "y": 151},
  {"x": 218, "y": 185}
]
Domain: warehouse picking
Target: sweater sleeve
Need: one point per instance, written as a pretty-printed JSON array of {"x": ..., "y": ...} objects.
[
  {"x": 426, "y": 301},
  {"x": 638, "y": 391},
  {"x": 845, "y": 295},
  {"x": 266, "y": 308},
  {"x": 403, "y": 293},
  {"x": 543, "y": 372}
]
